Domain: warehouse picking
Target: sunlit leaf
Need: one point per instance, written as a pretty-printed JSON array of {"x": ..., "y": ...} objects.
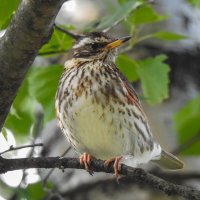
[
  {"x": 187, "y": 125},
  {"x": 43, "y": 85},
  {"x": 153, "y": 73},
  {"x": 164, "y": 35},
  {"x": 127, "y": 66},
  {"x": 121, "y": 13}
]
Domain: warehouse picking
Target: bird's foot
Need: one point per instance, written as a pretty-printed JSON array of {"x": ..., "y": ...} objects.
[
  {"x": 85, "y": 159},
  {"x": 117, "y": 166}
]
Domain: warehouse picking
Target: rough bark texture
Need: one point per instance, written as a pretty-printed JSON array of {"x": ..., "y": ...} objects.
[
  {"x": 30, "y": 28},
  {"x": 136, "y": 174}
]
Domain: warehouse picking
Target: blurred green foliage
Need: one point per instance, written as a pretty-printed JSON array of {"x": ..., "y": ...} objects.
[
  {"x": 43, "y": 83},
  {"x": 188, "y": 125},
  {"x": 21, "y": 116},
  {"x": 6, "y": 12},
  {"x": 195, "y": 3},
  {"x": 32, "y": 192}
]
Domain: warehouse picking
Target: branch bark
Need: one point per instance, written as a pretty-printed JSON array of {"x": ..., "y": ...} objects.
[
  {"x": 98, "y": 166},
  {"x": 30, "y": 28}
]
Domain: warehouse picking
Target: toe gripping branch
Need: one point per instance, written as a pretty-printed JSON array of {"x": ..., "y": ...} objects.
[
  {"x": 116, "y": 166},
  {"x": 85, "y": 159}
]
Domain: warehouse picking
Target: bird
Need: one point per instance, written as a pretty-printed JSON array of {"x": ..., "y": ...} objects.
[{"x": 99, "y": 111}]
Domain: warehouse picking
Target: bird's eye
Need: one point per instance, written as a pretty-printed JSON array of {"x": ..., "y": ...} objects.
[
  {"x": 95, "y": 45},
  {"x": 98, "y": 45}
]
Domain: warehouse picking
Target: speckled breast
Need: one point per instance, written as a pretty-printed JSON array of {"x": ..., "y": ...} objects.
[{"x": 94, "y": 114}]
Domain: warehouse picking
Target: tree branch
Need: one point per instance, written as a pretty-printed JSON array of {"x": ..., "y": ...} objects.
[
  {"x": 30, "y": 28},
  {"x": 98, "y": 166}
]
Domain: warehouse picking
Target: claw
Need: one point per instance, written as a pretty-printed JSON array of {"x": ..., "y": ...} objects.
[
  {"x": 85, "y": 159},
  {"x": 117, "y": 166}
]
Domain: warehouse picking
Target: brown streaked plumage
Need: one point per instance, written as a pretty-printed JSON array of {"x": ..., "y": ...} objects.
[{"x": 99, "y": 111}]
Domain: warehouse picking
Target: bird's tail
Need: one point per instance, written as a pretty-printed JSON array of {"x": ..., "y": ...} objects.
[{"x": 169, "y": 161}]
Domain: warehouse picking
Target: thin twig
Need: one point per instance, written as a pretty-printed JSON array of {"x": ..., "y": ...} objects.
[
  {"x": 21, "y": 147},
  {"x": 137, "y": 174},
  {"x": 76, "y": 36}
]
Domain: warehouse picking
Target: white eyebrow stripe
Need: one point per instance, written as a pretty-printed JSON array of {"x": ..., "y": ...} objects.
[
  {"x": 88, "y": 40},
  {"x": 83, "y": 42}
]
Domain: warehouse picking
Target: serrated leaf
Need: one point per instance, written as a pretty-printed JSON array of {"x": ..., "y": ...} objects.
[
  {"x": 21, "y": 116},
  {"x": 187, "y": 125},
  {"x": 59, "y": 41},
  {"x": 169, "y": 36},
  {"x": 6, "y": 11},
  {"x": 127, "y": 67},
  {"x": 145, "y": 14},
  {"x": 43, "y": 85},
  {"x": 121, "y": 13},
  {"x": 153, "y": 73}
]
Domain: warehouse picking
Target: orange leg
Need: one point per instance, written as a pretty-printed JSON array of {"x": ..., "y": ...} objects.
[
  {"x": 85, "y": 159},
  {"x": 117, "y": 165}
]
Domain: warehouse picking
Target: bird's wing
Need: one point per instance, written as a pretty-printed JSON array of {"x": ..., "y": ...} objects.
[{"x": 131, "y": 94}]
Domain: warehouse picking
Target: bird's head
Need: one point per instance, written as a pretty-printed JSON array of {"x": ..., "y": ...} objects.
[{"x": 96, "y": 45}]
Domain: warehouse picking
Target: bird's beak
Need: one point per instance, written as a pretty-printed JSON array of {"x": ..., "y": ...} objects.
[{"x": 117, "y": 42}]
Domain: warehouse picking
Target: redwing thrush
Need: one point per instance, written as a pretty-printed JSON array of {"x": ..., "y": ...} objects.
[{"x": 99, "y": 111}]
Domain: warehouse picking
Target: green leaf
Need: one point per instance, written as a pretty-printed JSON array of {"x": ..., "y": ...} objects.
[
  {"x": 153, "y": 74},
  {"x": 59, "y": 41},
  {"x": 21, "y": 116},
  {"x": 121, "y": 13},
  {"x": 32, "y": 192},
  {"x": 164, "y": 35},
  {"x": 187, "y": 125},
  {"x": 6, "y": 11},
  {"x": 127, "y": 66},
  {"x": 145, "y": 14},
  {"x": 43, "y": 85}
]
